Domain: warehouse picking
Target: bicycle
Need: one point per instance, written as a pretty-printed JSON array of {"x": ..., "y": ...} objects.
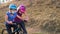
[{"x": 4, "y": 31}]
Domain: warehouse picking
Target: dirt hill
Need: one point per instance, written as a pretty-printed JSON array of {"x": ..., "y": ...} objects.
[{"x": 44, "y": 16}]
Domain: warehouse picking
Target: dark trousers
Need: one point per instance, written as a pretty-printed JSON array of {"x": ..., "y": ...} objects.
[
  {"x": 22, "y": 25},
  {"x": 8, "y": 26}
]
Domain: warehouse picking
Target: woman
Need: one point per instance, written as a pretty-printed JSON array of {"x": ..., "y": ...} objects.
[
  {"x": 19, "y": 19},
  {"x": 9, "y": 18}
]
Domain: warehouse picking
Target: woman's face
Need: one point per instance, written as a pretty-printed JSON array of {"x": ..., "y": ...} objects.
[{"x": 20, "y": 12}]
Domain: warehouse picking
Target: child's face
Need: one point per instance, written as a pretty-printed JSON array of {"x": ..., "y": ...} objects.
[{"x": 12, "y": 11}]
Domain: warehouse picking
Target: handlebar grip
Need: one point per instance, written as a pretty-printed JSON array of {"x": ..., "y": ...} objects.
[
  {"x": 14, "y": 23},
  {"x": 25, "y": 20}
]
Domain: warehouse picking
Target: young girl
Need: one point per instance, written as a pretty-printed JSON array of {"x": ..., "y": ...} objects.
[
  {"x": 19, "y": 19},
  {"x": 9, "y": 18}
]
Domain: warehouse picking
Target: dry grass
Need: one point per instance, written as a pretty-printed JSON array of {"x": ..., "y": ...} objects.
[{"x": 43, "y": 14}]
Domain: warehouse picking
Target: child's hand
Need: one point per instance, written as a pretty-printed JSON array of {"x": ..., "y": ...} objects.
[{"x": 10, "y": 22}]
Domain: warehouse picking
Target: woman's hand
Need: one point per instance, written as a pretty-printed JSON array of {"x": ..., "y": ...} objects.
[
  {"x": 26, "y": 16},
  {"x": 20, "y": 17},
  {"x": 26, "y": 19}
]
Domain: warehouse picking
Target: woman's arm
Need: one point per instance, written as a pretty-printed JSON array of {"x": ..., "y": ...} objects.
[
  {"x": 20, "y": 17},
  {"x": 26, "y": 16}
]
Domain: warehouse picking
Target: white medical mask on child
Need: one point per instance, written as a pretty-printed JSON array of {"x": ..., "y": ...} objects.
[{"x": 13, "y": 12}]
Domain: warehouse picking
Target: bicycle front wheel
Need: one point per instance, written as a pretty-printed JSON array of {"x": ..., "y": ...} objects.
[{"x": 4, "y": 31}]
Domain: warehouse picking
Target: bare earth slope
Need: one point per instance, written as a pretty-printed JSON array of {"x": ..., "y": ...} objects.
[{"x": 44, "y": 16}]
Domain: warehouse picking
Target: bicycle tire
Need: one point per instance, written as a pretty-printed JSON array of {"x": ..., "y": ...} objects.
[
  {"x": 4, "y": 31},
  {"x": 19, "y": 31}
]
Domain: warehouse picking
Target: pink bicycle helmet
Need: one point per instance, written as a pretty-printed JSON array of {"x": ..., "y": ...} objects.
[{"x": 22, "y": 8}]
